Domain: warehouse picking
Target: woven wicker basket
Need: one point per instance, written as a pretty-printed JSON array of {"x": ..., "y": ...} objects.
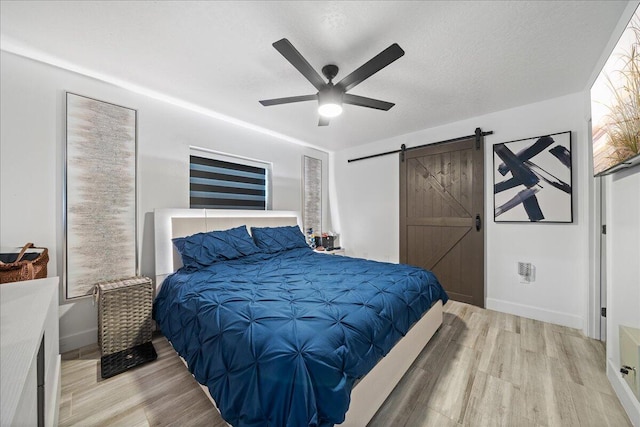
[
  {"x": 124, "y": 313},
  {"x": 25, "y": 269}
]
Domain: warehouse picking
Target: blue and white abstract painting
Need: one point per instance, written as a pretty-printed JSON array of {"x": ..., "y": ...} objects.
[
  {"x": 532, "y": 179},
  {"x": 100, "y": 221}
]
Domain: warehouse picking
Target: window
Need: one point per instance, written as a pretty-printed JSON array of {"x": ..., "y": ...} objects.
[{"x": 220, "y": 181}]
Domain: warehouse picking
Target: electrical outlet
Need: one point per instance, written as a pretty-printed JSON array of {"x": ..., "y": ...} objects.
[{"x": 630, "y": 357}]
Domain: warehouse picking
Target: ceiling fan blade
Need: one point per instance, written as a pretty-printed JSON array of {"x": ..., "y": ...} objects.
[
  {"x": 374, "y": 65},
  {"x": 297, "y": 60},
  {"x": 324, "y": 121},
  {"x": 361, "y": 101},
  {"x": 278, "y": 101}
]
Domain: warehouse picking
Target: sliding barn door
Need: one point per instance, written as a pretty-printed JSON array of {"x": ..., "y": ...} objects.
[{"x": 442, "y": 215}]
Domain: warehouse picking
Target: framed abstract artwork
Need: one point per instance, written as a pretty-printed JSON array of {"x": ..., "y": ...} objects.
[
  {"x": 312, "y": 193},
  {"x": 100, "y": 194},
  {"x": 532, "y": 179}
]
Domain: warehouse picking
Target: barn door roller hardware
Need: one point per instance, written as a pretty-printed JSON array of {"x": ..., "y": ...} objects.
[
  {"x": 478, "y": 134},
  {"x": 403, "y": 149}
]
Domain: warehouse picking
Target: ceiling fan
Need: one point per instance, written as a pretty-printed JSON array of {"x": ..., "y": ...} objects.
[{"x": 330, "y": 97}]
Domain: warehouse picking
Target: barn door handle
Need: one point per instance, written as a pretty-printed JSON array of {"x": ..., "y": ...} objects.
[{"x": 478, "y": 222}]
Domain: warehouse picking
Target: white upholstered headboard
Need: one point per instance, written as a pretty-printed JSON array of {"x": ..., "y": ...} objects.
[{"x": 171, "y": 223}]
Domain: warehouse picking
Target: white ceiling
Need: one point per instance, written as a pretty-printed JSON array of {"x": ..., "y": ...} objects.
[{"x": 463, "y": 58}]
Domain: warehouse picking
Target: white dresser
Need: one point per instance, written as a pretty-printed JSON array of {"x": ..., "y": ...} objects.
[{"x": 29, "y": 326}]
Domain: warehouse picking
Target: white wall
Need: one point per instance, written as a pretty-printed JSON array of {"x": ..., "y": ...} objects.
[
  {"x": 623, "y": 255},
  {"x": 622, "y": 262},
  {"x": 368, "y": 199},
  {"x": 623, "y": 274},
  {"x": 31, "y": 165}
]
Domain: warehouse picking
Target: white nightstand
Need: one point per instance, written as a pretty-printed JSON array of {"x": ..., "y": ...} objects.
[
  {"x": 29, "y": 353},
  {"x": 340, "y": 252}
]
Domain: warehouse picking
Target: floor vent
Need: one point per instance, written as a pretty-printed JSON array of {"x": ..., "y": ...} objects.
[{"x": 526, "y": 272}]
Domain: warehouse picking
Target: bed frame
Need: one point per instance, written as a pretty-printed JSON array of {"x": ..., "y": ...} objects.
[{"x": 368, "y": 394}]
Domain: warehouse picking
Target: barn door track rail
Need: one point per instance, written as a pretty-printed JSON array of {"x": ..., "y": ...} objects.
[{"x": 403, "y": 148}]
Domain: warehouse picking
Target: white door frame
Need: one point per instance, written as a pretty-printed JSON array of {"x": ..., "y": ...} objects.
[{"x": 596, "y": 294}]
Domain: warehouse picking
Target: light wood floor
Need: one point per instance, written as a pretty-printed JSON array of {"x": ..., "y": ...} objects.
[{"x": 482, "y": 368}]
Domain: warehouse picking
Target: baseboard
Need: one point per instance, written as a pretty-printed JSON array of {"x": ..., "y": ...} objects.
[
  {"x": 536, "y": 313},
  {"x": 81, "y": 339},
  {"x": 624, "y": 393}
]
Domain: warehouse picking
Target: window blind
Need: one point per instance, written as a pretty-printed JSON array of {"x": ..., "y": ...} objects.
[{"x": 218, "y": 184}]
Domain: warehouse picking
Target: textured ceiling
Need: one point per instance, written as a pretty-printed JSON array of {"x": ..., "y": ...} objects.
[{"x": 462, "y": 59}]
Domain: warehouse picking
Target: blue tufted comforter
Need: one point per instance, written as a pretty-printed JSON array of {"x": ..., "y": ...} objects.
[{"x": 281, "y": 338}]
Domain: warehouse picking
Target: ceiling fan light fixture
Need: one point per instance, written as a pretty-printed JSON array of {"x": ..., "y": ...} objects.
[
  {"x": 330, "y": 101},
  {"x": 330, "y": 110}
]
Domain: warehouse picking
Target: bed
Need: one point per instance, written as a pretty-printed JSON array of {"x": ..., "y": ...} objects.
[{"x": 288, "y": 336}]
